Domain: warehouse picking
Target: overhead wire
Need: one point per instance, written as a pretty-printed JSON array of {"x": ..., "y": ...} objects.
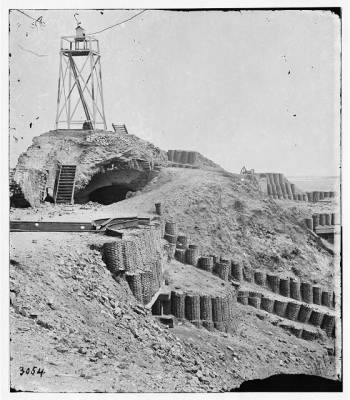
[
  {"x": 31, "y": 51},
  {"x": 118, "y": 23},
  {"x": 27, "y": 15},
  {"x": 32, "y": 18}
]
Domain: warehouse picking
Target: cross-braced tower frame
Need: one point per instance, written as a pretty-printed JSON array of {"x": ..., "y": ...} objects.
[{"x": 80, "y": 93}]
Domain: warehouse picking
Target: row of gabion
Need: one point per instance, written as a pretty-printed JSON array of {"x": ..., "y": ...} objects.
[
  {"x": 182, "y": 156},
  {"x": 137, "y": 253},
  {"x": 321, "y": 220},
  {"x": 290, "y": 310},
  {"x": 208, "y": 311},
  {"x": 146, "y": 283},
  {"x": 318, "y": 195},
  {"x": 279, "y": 187},
  {"x": 226, "y": 269},
  {"x": 303, "y": 333},
  {"x": 189, "y": 254},
  {"x": 287, "y": 287}
]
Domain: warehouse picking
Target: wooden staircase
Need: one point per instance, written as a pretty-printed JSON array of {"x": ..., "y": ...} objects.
[
  {"x": 65, "y": 182},
  {"x": 120, "y": 129}
]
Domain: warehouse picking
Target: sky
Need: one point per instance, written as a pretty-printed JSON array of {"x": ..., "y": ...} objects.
[{"x": 253, "y": 88}]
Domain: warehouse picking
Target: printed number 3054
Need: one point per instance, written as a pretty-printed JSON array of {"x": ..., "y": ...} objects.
[{"x": 33, "y": 371}]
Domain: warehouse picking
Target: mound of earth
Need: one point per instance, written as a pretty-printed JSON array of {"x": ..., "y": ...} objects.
[
  {"x": 71, "y": 319},
  {"x": 84, "y": 328},
  {"x": 230, "y": 217}
]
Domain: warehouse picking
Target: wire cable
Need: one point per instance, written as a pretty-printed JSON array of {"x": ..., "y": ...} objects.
[
  {"x": 118, "y": 23},
  {"x": 22, "y": 12},
  {"x": 31, "y": 51},
  {"x": 39, "y": 20}
]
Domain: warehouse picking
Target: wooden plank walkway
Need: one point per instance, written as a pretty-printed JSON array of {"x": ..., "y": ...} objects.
[
  {"x": 100, "y": 225},
  {"x": 41, "y": 226}
]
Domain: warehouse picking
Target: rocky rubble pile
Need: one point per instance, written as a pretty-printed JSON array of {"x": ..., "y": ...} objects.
[{"x": 74, "y": 303}]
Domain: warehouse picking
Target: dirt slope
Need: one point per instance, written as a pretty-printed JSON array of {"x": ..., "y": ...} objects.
[
  {"x": 69, "y": 317},
  {"x": 227, "y": 216}
]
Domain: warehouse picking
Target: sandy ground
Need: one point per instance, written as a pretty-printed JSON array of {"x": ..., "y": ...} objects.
[{"x": 71, "y": 318}]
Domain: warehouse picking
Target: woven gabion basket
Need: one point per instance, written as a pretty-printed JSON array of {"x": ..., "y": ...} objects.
[
  {"x": 182, "y": 242},
  {"x": 304, "y": 313},
  {"x": 296, "y": 331},
  {"x": 326, "y": 298},
  {"x": 254, "y": 301},
  {"x": 308, "y": 335},
  {"x": 306, "y": 292},
  {"x": 217, "y": 309},
  {"x": 178, "y": 304},
  {"x": 295, "y": 289},
  {"x": 166, "y": 305},
  {"x": 135, "y": 284},
  {"x": 192, "y": 307},
  {"x": 285, "y": 287},
  {"x": 267, "y": 304},
  {"x": 170, "y": 228},
  {"x": 280, "y": 308},
  {"x": 225, "y": 308},
  {"x": 170, "y": 238},
  {"x": 157, "y": 308},
  {"x": 180, "y": 255},
  {"x": 206, "y": 263},
  {"x": 273, "y": 282},
  {"x": 248, "y": 274},
  {"x": 206, "y": 308},
  {"x": 237, "y": 271},
  {"x": 316, "y": 318},
  {"x": 114, "y": 256},
  {"x": 192, "y": 256},
  {"x": 260, "y": 278},
  {"x": 316, "y": 295},
  {"x": 292, "y": 311},
  {"x": 242, "y": 297},
  {"x": 328, "y": 324},
  {"x": 222, "y": 270},
  {"x": 146, "y": 282}
]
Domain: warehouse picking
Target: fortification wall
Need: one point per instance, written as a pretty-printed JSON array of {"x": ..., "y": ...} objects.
[
  {"x": 277, "y": 186},
  {"x": 294, "y": 311},
  {"x": 138, "y": 259},
  {"x": 211, "y": 312}
]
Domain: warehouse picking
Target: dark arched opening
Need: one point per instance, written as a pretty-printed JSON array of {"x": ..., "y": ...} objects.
[{"x": 109, "y": 194}]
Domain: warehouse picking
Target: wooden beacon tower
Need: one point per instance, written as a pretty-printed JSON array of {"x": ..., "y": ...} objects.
[{"x": 80, "y": 94}]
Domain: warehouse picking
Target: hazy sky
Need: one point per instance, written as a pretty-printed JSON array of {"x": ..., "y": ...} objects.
[{"x": 253, "y": 88}]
